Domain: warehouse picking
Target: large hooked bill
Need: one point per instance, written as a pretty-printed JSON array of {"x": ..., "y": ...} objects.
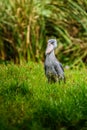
[{"x": 49, "y": 48}]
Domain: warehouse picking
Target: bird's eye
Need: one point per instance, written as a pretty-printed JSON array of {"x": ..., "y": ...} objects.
[{"x": 52, "y": 42}]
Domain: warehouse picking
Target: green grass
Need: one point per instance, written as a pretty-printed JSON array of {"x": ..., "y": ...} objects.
[{"x": 28, "y": 102}]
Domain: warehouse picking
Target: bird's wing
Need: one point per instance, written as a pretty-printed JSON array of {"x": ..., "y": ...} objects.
[
  {"x": 58, "y": 68},
  {"x": 61, "y": 66},
  {"x": 60, "y": 71}
]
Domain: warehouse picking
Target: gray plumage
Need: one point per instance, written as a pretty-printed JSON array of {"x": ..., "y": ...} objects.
[{"x": 53, "y": 68}]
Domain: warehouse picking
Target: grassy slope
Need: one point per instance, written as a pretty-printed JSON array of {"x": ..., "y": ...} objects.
[{"x": 28, "y": 102}]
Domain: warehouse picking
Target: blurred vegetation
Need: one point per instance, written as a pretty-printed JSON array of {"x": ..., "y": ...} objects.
[
  {"x": 28, "y": 102},
  {"x": 25, "y": 26}
]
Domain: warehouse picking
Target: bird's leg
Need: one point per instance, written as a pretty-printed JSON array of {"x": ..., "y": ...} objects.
[
  {"x": 64, "y": 79},
  {"x": 49, "y": 80},
  {"x": 59, "y": 81}
]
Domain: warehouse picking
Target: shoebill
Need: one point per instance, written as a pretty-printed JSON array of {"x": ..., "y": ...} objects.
[{"x": 53, "y": 68}]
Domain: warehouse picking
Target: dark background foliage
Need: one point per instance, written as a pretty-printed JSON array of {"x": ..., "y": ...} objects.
[{"x": 26, "y": 25}]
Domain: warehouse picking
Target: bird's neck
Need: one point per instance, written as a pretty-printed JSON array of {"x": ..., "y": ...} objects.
[{"x": 51, "y": 55}]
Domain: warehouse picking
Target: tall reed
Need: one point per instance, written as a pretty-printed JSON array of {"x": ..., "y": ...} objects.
[{"x": 25, "y": 26}]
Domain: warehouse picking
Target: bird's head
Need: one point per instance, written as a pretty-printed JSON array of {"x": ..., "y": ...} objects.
[{"x": 52, "y": 44}]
